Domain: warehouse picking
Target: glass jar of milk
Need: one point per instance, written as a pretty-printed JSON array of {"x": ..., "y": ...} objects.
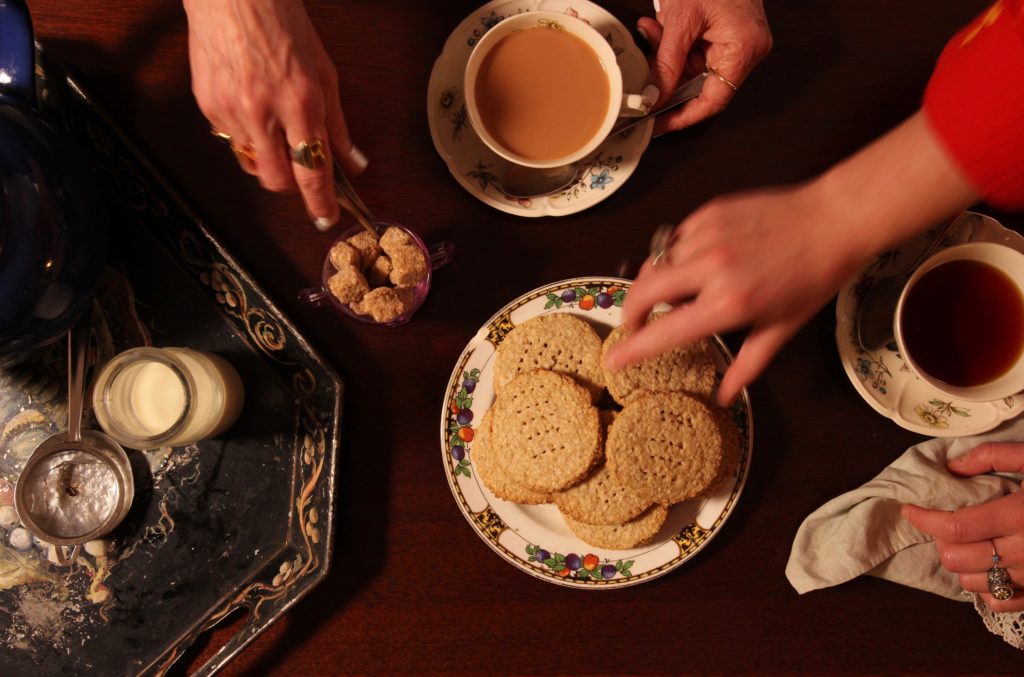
[{"x": 146, "y": 398}]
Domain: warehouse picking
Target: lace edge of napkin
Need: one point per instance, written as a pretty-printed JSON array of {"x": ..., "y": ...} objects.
[{"x": 1009, "y": 626}]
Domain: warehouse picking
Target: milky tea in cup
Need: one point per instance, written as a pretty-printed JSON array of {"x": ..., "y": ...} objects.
[
  {"x": 543, "y": 89},
  {"x": 960, "y": 321}
]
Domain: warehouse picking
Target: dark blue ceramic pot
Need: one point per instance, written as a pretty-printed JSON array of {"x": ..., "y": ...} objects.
[{"x": 53, "y": 228}]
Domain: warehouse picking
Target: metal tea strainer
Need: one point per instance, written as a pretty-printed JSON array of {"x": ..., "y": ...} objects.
[{"x": 76, "y": 486}]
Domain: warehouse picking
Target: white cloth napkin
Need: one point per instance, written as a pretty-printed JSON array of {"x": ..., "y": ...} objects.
[{"x": 862, "y": 532}]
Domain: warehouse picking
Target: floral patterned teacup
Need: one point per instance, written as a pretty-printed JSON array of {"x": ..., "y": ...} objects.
[{"x": 618, "y": 104}]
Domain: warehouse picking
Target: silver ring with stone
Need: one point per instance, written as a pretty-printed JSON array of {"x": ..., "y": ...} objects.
[{"x": 999, "y": 583}]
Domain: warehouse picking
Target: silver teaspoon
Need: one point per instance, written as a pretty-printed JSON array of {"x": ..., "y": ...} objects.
[{"x": 528, "y": 182}]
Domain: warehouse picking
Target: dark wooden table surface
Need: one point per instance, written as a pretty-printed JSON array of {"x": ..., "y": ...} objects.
[{"x": 412, "y": 588}]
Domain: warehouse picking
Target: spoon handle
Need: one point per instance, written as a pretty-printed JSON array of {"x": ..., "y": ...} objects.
[
  {"x": 78, "y": 346},
  {"x": 350, "y": 201},
  {"x": 937, "y": 240},
  {"x": 690, "y": 89}
]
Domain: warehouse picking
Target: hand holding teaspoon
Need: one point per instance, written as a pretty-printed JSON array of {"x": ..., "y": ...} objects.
[{"x": 527, "y": 182}]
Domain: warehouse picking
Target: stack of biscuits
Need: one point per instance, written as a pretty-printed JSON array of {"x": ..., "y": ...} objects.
[{"x": 613, "y": 468}]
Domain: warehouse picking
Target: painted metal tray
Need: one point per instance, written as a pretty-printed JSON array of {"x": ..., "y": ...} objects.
[{"x": 244, "y": 521}]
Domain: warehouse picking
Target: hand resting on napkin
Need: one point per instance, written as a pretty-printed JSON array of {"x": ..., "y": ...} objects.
[
  {"x": 943, "y": 545},
  {"x": 863, "y": 531},
  {"x": 965, "y": 537}
]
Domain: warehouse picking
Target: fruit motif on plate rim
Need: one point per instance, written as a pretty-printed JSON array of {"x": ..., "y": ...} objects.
[
  {"x": 587, "y": 298},
  {"x": 587, "y": 567},
  {"x": 460, "y": 417}
]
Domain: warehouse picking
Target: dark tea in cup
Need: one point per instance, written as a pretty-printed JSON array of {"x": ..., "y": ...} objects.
[{"x": 960, "y": 321}]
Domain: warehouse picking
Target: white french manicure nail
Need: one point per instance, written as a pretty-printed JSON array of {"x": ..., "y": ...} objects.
[
  {"x": 652, "y": 92},
  {"x": 643, "y": 33},
  {"x": 358, "y": 158},
  {"x": 657, "y": 6},
  {"x": 323, "y": 223}
]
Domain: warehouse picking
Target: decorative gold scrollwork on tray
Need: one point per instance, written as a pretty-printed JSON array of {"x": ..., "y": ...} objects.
[{"x": 263, "y": 329}]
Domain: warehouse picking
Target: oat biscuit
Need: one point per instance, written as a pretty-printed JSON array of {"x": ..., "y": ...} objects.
[
  {"x": 501, "y": 485},
  {"x": 547, "y": 430},
  {"x": 558, "y": 342},
  {"x": 731, "y": 449},
  {"x": 689, "y": 369},
  {"x": 666, "y": 447},
  {"x": 621, "y": 536},
  {"x": 600, "y": 499}
]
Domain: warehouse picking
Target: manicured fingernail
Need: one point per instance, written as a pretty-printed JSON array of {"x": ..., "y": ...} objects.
[
  {"x": 359, "y": 158},
  {"x": 652, "y": 92},
  {"x": 657, "y": 6},
  {"x": 643, "y": 33},
  {"x": 323, "y": 223}
]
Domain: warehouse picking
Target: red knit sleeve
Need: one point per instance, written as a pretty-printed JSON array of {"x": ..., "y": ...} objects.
[{"x": 975, "y": 103}]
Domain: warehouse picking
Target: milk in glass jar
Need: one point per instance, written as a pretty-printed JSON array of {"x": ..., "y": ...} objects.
[{"x": 146, "y": 398}]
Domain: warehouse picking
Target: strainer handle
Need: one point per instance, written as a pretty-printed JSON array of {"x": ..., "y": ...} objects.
[
  {"x": 64, "y": 560},
  {"x": 78, "y": 345}
]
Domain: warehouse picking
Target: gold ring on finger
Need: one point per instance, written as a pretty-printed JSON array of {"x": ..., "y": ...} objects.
[
  {"x": 721, "y": 77},
  {"x": 246, "y": 155},
  {"x": 310, "y": 154}
]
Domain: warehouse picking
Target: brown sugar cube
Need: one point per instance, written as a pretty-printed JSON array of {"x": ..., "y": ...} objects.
[
  {"x": 378, "y": 273},
  {"x": 393, "y": 238},
  {"x": 357, "y": 307},
  {"x": 367, "y": 246},
  {"x": 348, "y": 285},
  {"x": 409, "y": 266},
  {"x": 407, "y": 295},
  {"x": 343, "y": 254},
  {"x": 383, "y": 303}
]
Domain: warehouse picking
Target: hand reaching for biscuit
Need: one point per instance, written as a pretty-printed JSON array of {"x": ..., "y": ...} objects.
[
  {"x": 769, "y": 259},
  {"x": 965, "y": 538},
  {"x": 731, "y": 36},
  {"x": 742, "y": 260}
]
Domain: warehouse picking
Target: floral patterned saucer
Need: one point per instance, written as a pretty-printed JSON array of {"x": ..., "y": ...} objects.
[
  {"x": 535, "y": 539},
  {"x": 477, "y": 168},
  {"x": 883, "y": 378}
]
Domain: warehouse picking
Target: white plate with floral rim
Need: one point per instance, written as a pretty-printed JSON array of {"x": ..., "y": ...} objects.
[
  {"x": 882, "y": 376},
  {"x": 477, "y": 168},
  {"x": 535, "y": 538}
]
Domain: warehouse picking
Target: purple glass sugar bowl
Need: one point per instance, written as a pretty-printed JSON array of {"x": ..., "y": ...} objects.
[{"x": 436, "y": 255}]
